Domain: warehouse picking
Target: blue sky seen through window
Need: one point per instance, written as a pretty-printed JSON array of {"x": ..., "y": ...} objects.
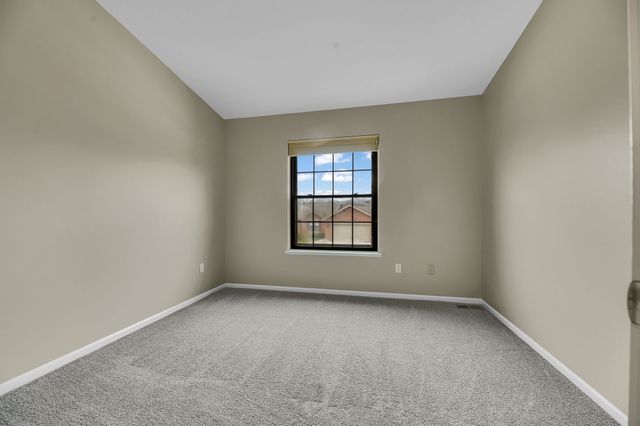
[
  {"x": 342, "y": 161},
  {"x": 323, "y": 162},
  {"x": 305, "y": 163},
  {"x": 362, "y": 160},
  {"x": 343, "y": 180}
]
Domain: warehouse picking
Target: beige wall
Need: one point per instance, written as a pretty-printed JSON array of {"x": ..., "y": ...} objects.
[
  {"x": 429, "y": 199},
  {"x": 113, "y": 188},
  {"x": 557, "y": 236},
  {"x": 110, "y": 182}
]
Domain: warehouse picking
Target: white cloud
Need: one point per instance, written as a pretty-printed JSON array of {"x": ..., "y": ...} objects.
[
  {"x": 323, "y": 159},
  {"x": 341, "y": 158},
  {"x": 340, "y": 177},
  {"x": 305, "y": 176},
  {"x": 328, "y": 158},
  {"x": 369, "y": 155},
  {"x": 343, "y": 177}
]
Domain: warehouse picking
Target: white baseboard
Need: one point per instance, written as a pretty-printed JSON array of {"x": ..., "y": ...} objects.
[
  {"x": 383, "y": 295},
  {"x": 40, "y": 371},
  {"x": 603, "y": 402}
]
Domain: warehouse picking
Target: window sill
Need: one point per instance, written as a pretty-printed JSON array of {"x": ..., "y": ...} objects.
[{"x": 347, "y": 253}]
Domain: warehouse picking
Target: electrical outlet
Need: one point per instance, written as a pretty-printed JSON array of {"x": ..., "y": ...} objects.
[
  {"x": 431, "y": 269},
  {"x": 202, "y": 268},
  {"x": 398, "y": 268}
]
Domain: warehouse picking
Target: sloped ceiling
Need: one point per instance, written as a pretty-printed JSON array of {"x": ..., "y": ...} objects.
[{"x": 261, "y": 57}]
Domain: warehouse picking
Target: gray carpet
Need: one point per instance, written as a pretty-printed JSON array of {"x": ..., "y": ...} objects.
[{"x": 261, "y": 357}]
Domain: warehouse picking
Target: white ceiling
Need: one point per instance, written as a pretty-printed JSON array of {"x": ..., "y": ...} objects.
[{"x": 261, "y": 57}]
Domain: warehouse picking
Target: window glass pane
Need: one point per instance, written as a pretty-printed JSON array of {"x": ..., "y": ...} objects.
[
  {"x": 362, "y": 210},
  {"x": 362, "y": 182},
  {"x": 304, "y": 211},
  {"x": 323, "y": 183},
  {"x": 342, "y": 211},
  {"x": 322, "y": 209},
  {"x": 362, "y": 160},
  {"x": 322, "y": 233},
  {"x": 342, "y": 183},
  {"x": 304, "y": 233},
  {"x": 342, "y": 233},
  {"x": 342, "y": 161},
  {"x": 336, "y": 218},
  {"x": 341, "y": 204},
  {"x": 323, "y": 162},
  {"x": 305, "y": 183},
  {"x": 305, "y": 163},
  {"x": 362, "y": 234}
]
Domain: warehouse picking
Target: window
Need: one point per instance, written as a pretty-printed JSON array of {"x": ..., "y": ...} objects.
[{"x": 334, "y": 200}]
